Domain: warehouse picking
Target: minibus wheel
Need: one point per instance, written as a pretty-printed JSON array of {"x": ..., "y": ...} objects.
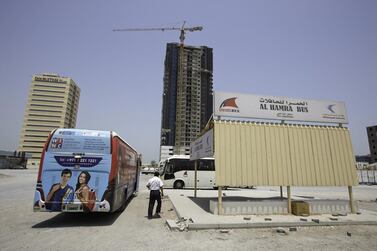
[{"x": 179, "y": 184}]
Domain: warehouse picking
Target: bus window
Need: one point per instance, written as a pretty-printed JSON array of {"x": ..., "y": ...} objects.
[
  {"x": 184, "y": 164},
  {"x": 206, "y": 165},
  {"x": 170, "y": 168}
]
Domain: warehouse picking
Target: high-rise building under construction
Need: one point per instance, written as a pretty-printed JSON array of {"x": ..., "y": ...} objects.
[
  {"x": 187, "y": 98},
  {"x": 52, "y": 103}
]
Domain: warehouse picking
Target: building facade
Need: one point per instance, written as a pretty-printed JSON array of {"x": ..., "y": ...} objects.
[
  {"x": 372, "y": 139},
  {"x": 187, "y": 99},
  {"x": 52, "y": 103},
  {"x": 166, "y": 152},
  {"x": 13, "y": 160},
  {"x": 363, "y": 158}
]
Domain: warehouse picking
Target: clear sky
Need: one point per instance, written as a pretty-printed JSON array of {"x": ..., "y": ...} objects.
[{"x": 318, "y": 49}]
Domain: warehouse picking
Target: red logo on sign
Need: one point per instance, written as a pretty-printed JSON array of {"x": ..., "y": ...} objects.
[{"x": 229, "y": 105}]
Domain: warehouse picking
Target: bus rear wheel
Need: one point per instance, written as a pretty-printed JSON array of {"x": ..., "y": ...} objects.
[{"x": 179, "y": 184}]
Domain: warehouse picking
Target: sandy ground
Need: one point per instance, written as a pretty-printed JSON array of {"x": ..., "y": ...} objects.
[{"x": 21, "y": 229}]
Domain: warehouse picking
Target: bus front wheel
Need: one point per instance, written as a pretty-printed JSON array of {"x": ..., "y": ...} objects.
[{"x": 179, "y": 184}]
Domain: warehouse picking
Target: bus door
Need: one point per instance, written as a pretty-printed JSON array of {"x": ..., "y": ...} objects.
[
  {"x": 206, "y": 174},
  {"x": 188, "y": 172}
]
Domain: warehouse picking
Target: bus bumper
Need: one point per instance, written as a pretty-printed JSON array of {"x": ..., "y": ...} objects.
[{"x": 100, "y": 206}]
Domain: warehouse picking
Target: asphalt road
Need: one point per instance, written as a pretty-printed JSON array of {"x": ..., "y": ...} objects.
[{"x": 22, "y": 229}]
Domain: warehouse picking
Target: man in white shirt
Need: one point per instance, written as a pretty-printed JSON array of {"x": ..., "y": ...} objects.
[{"x": 155, "y": 186}]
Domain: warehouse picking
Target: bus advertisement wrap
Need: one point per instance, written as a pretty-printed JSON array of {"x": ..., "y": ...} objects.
[{"x": 77, "y": 173}]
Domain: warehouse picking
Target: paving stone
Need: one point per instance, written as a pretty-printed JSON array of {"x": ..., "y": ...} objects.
[
  {"x": 280, "y": 230},
  {"x": 315, "y": 220}
]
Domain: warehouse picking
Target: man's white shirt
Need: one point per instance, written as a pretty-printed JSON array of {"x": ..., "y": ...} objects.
[{"x": 155, "y": 183}]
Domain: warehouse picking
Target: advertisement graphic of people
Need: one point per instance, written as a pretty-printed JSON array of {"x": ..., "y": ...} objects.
[
  {"x": 84, "y": 193},
  {"x": 60, "y": 192}
]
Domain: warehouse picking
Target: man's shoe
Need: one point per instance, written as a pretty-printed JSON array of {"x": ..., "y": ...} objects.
[{"x": 157, "y": 215}]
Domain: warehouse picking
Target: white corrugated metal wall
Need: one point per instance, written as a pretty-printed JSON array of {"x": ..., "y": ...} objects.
[{"x": 259, "y": 154}]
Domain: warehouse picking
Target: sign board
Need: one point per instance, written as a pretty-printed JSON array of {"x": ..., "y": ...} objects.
[
  {"x": 281, "y": 108},
  {"x": 202, "y": 147},
  {"x": 50, "y": 79}
]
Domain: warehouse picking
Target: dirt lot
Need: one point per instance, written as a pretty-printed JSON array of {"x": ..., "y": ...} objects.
[{"x": 21, "y": 229}]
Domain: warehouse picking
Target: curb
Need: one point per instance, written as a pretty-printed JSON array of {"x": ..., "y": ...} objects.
[{"x": 198, "y": 226}]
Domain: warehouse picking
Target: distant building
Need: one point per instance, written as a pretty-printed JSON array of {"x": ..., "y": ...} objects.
[
  {"x": 13, "y": 160},
  {"x": 362, "y": 158},
  {"x": 362, "y": 165},
  {"x": 166, "y": 152},
  {"x": 372, "y": 138},
  {"x": 186, "y": 108},
  {"x": 52, "y": 103}
]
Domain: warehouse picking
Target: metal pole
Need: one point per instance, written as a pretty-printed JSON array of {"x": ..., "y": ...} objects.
[
  {"x": 220, "y": 201},
  {"x": 196, "y": 177},
  {"x": 281, "y": 192},
  {"x": 289, "y": 199},
  {"x": 360, "y": 172},
  {"x": 351, "y": 199}
]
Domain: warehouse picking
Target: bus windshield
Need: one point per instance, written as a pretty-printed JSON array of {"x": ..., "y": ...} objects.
[{"x": 167, "y": 169}]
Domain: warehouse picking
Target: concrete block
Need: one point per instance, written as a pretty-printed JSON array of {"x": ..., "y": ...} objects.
[
  {"x": 334, "y": 207},
  {"x": 280, "y": 230},
  {"x": 315, "y": 220},
  {"x": 172, "y": 224},
  {"x": 258, "y": 207}
]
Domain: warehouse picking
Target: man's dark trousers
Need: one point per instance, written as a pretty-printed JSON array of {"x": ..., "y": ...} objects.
[{"x": 153, "y": 196}]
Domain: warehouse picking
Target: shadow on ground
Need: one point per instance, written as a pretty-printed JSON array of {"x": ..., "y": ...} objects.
[{"x": 81, "y": 219}]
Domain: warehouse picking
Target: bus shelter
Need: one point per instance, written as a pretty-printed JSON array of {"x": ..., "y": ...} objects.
[{"x": 260, "y": 153}]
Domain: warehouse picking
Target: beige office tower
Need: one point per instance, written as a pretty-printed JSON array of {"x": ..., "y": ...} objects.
[{"x": 52, "y": 103}]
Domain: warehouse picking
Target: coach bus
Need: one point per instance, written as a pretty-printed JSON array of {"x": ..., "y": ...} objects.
[
  {"x": 179, "y": 172},
  {"x": 86, "y": 171}
]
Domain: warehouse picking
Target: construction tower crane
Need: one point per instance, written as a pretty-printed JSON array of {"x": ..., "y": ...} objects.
[
  {"x": 181, "y": 105},
  {"x": 183, "y": 30}
]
